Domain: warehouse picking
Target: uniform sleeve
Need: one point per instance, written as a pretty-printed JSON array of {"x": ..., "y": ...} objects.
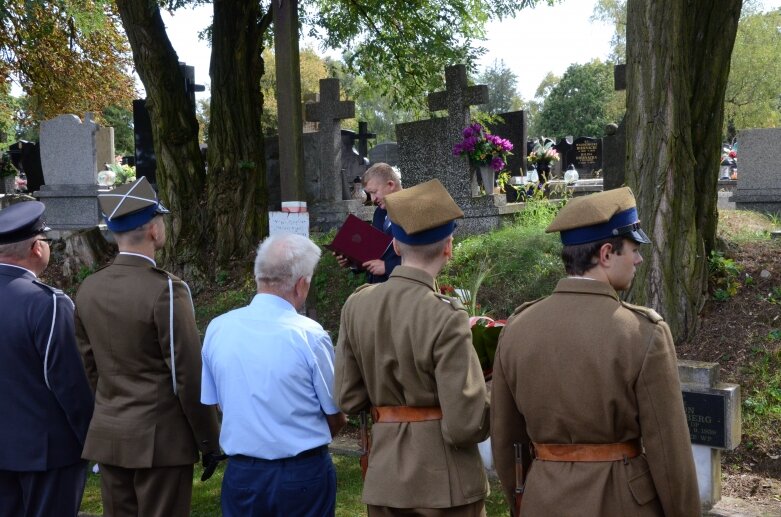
[
  {"x": 323, "y": 373},
  {"x": 664, "y": 429},
  {"x": 87, "y": 354},
  {"x": 460, "y": 383},
  {"x": 351, "y": 393},
  {"x": 63, "y": 368},
  {"x": 508, "y": 426},
  {"x": 187, "y": 362}
]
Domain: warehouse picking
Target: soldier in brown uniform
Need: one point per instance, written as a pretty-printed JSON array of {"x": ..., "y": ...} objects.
[
  {"x": 406, "y": 351},
  {"x": 591, "y": 383},
  {"x": 135, "y": 327}
]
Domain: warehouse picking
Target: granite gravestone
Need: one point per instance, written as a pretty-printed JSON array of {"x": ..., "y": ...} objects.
[
  {"x": 513, "y": 128},
  {"x": 104, "y": 147},
  {"x": 713, "y": 414},
  {"x": 586, "y": 156},
  {"x": 385, "y": 152},
  {"x": 759, "y": 170},
  {"x": 328, "y": 112},
  {"x": 146, "y": 161},
  {"x": 614, "y": 142},
  {"x": 69, "y": 160}
]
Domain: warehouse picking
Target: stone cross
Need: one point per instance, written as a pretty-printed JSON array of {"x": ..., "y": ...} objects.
[
  {"x": 328, "y": 112},
  {"x": 713, "y": 414},
  {"x": 456, "y": 99},
  {"x": 291, "y": 147},
  {"x": 363, "y": 137}
]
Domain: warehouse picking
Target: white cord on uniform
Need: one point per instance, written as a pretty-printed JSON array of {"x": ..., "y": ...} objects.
[
  {"x": 49, "y": 343},
  {"x": 171, "y": 327}
]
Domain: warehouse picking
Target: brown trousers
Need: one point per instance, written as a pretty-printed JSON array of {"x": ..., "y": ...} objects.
[
  {"x": 476, "y": 509},
  {"x": 154, "y": 492}
]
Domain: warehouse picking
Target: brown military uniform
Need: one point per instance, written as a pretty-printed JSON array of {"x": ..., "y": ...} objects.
[
  {"x": 581, "y": 367},
  {"x": 123, "y": 331},
  {"x": 402, "y": 344}
]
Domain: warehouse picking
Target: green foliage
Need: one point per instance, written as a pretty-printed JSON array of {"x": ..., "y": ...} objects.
[
  {"x": 485, "y": 339},
  {"x": 223, "y": 302},
  {"x": 774, "y": 335},
  {"x": 774, "y": 296},
  {"x": 502, "y": 88},
  {"x": 121, "y": 119},
  {"x": 402, "y": 48},
  {"x": 724, "y": 276},
  {"x": 578, "y": 104},
  {"x": 613, "y": 12},
  {"x": 762, "y": 402},
  {"x": 125, "y": 173},
  {"x": 752, "y": 98}
]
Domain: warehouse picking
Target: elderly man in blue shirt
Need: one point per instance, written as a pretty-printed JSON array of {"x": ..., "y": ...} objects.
[{"x": 271, "y": 371}]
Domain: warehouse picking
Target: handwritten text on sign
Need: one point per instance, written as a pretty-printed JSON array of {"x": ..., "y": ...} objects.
[{"x": 287, "y": 222}]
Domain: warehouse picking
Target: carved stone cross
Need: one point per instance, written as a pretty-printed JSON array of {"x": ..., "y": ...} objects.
[
  {"x": 363, "y": 137},
  {"x": 328, "y": 112}
]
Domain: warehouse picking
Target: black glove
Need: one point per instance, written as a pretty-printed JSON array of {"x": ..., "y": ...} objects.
[{"x": 210, "y": 462}]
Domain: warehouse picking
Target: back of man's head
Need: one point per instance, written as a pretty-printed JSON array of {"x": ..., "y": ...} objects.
[
  {"x": 283, "y": 259},
  {"x": 383, "y": 173}
]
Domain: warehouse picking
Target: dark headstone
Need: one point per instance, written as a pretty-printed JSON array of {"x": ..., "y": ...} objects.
[
  {"x": 513, "y": 129},
  {"x": 385, "y": 152},
  {"x": 619, "y": 77},
  {"x": 146, "y": 161},
  {"x": 586, "y": 156},
  {"x": 614, "y": 156},
  {"x": 26, "y": 157},
  {"x": 363, "y": 138}
]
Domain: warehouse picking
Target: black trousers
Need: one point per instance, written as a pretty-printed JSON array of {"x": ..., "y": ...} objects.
[{"x": 50, "y": 493}]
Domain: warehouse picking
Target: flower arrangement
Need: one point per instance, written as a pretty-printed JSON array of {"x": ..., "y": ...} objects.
[
  {"x": 483, "y": 148},
  {"x": 543, "y": 152}
]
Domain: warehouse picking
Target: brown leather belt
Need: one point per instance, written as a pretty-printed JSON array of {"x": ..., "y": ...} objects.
[
  {"x": 386, "y": 414},
  {"x": 587, "y": 452}
]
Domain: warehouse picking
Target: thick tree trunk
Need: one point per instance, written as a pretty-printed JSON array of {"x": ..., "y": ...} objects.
[
  {"x": 237, "y": 193},
  {"x": 678, "y": 59},
  {"x": 180, "y": 170}
]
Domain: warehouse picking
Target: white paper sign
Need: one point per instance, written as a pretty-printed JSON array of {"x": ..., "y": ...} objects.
[{"x": 287, "y": 222}]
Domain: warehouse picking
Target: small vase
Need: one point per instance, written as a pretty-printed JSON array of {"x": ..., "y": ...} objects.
[{"x": 487, "y": 174}]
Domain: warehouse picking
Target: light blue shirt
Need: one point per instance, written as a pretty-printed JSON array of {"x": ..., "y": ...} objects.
[{"x": 271, "y": 370}]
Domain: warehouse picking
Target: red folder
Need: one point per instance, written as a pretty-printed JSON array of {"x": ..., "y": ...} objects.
[{"x": 359, "y": 242}]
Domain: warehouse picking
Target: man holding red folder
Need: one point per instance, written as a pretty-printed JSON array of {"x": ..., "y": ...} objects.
[{"x": 379, "y": 180}]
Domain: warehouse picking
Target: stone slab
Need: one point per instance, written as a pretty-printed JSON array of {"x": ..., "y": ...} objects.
[
  {"x": 70, "y": 207},
  {"x": 68, "y": 153}
]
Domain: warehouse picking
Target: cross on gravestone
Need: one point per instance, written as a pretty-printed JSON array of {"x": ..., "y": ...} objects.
[
  {"x": 713, "y": 415},
  {"x": 328, "y": 112},
  {"x": 363, "y": 137}
]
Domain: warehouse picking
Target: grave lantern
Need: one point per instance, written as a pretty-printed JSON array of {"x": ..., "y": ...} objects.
[
  {"x": 571, "y": 175},
  {"x": 725, "y": 168}
]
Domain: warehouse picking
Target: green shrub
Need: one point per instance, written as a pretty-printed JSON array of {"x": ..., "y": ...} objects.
[{"x": 724, "y": 276}]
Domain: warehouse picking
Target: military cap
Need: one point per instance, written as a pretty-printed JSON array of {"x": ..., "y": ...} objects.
[
  {"x": 599, "y": 216},
  {"x": 131, "y": 205},
  {"x": 21, "y": 221},
  {"x": 422, "y": 214}
]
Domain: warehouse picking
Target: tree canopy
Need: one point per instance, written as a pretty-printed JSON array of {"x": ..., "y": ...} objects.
[
  {"x": 68, "y": 56},
  {"x": 502, "y": 88}
]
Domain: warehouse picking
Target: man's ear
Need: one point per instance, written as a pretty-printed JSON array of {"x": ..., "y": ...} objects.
[
  {"x": 396, "y": 248},
  {"x": 605, "y": 254},
  {"x": 448, "y": 251}
]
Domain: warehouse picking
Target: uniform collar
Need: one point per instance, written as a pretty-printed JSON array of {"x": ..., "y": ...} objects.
[
  {"x": 414, "y": 274},
  {"x": 17, "y": 270},
  {"x": 585, "y": 286},
  {"x": 124, "y": 258}
]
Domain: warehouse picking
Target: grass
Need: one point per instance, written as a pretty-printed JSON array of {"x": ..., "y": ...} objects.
[
  {"x": 206, "y": 496},
  {"x": 740, "y": 226}
]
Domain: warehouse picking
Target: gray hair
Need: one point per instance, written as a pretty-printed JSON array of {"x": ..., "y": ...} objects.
[
  {"x": 17, "y": 250},
  {"x": 383, "y": 172},
  {"x": 283, "y": 258}
]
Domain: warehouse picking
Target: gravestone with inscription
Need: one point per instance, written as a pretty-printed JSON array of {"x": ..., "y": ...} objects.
[
  {"x": 69, "y": 160},
  {"x": 713, "y": 414},
  {"x": 586, "y": 156}
]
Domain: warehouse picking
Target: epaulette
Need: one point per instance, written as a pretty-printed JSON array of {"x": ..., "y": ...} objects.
[
  {"x": 524, "y": 306},
  {"x": 649, "y": 313},
  {"x": 49, "y": 288},
  {"x": 452, "y": 301}
]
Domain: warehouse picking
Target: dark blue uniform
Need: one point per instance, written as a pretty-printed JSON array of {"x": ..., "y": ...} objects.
[
  {"x": 45, "y": 400},
  {"x": 381, "y": 222}
]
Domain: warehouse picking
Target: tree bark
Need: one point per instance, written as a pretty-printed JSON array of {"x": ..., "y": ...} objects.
[
  {"x": 237, "y": 199},
  {"x": 180, "y": 169},
  {"x": 678, "y": 59}
]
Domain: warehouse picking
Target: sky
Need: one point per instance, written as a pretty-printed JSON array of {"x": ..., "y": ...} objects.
[{"x": 535, "y": 42}]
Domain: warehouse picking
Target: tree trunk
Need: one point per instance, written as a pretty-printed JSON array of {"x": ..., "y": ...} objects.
[
  {"x": 180, "y": 170},
  {"x": 678, "y": 59},
  {"x": 237, "y": 193}
]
